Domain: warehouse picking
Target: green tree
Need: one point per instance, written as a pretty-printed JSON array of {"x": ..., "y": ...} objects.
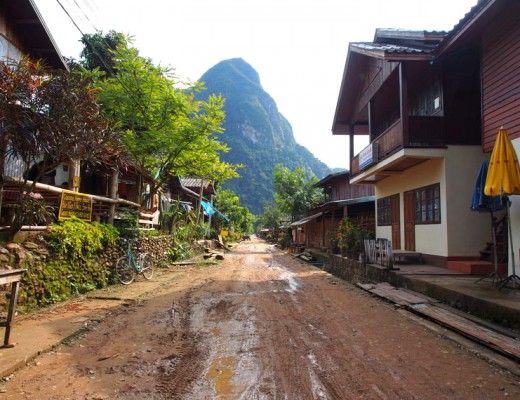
[
  {"x": 271, "y": 218},
  {"x": 48, "y": 118},
  {"x": 240, "y": 219},
  {"x": 97, "y": 50},
  {"x": 294, "y": 194},
  {"x": 165, "y": 130}
]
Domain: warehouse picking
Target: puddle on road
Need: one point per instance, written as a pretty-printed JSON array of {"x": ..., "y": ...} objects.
[
  {"x": 285, "y": 275},
  {"x": 231, "y": 336},
  {"x": 222, "y": 371}
]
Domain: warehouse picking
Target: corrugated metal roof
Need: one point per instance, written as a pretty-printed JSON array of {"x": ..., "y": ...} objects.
[
  {"x": 331, "y": 176},
  {"x": 382, "y": 35},
  {"x": 389, "y": 41},
  {"x": 471, "y": 16},
  {"x": 391, "y": 48},
  {"x": 194, "y": 182},
  {"x": 307, "y": 219}
]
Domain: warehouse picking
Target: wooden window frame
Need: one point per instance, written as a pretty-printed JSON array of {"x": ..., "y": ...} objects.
[
  {"x": 384, "y": 211},
  {"x": 427, "y": 201}
]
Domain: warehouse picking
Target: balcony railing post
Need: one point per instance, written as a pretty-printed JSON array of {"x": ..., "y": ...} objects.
[{"x": 403, "y": 98}]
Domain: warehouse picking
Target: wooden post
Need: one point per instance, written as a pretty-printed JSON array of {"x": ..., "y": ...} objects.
[
  {"x": 199, "y": 206},
  {"x": 12, "y": 277},
  {"x": 139, "y": 185},
  {"x": 403, "y": 104},
  {"x": 351, "y": 145},
  {"x": 113, "y": 194},
  {"x": 74, "y": 175}
]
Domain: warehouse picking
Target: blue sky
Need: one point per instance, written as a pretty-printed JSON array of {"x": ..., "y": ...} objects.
[{"x": 298, "y": 48}]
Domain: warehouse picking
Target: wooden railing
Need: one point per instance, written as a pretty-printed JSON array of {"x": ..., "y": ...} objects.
[
  {"x": 423, "y": 132},
  {"x": 52, "y": 195}
]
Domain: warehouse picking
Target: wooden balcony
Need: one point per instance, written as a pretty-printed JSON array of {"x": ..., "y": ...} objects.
[{"x": 423, "y": 132}]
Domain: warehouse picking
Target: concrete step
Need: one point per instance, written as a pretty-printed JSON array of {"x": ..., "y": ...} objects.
[{"x": 475, "y": 267}]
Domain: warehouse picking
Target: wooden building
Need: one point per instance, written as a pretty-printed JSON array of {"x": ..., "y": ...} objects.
[
  {"x": 340, "y": 198},
  {"x": 431, "y": 104},
  {"x": 23, "y": 32}
]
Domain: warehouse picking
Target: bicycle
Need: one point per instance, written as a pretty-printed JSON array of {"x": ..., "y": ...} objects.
[{"x": 127, "y": 266}]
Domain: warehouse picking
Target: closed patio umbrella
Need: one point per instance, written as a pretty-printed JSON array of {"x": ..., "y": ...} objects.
[
  {"x": 503, "y": 179},
  {"x": 481, "y": 202}
]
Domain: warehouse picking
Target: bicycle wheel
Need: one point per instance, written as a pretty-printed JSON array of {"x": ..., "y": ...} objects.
[
  {"x": 125, "y": 271},
  {"x": 147, "y": 266}
]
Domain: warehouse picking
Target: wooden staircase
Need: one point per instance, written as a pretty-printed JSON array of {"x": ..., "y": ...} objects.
[
  {"x": 484, "y": 264},
  {"x": 500, "y": 228}
]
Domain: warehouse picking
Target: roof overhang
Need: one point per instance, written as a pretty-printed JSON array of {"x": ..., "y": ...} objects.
[
  {"x": 306, "y": 220},
  {"x": 396, "y": 164},
  {"x": 32, "y": 33},
  {"x": 330, "y": 177},
  {"x": 469, "y": 27},
  {"x": 334, "y": 205},
  {"x": 390, "y": 55}
]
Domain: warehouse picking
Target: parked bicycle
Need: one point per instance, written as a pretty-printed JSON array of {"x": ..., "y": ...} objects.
[{"x": 127, "y": 266}]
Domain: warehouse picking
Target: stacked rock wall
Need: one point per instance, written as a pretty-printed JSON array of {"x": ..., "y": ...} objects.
[{"x": 50, "y": 278}]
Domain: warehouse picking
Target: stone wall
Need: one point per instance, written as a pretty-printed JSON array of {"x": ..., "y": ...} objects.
[
  {"x": 50, "y": 278},
  {"x": 351, "y": 270}
]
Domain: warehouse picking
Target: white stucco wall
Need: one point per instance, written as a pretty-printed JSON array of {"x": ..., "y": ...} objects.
[
  {"x": 429, "y": 239},
  {"x": 515, "y": 225},
  {"x": 462, "y": 232},
  {"x": 468, "y": 231}
]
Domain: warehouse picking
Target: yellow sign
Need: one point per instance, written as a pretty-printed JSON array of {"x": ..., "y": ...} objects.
[
  {"x": 75, "y": 204},
  {"x": 224, "y": 233}
]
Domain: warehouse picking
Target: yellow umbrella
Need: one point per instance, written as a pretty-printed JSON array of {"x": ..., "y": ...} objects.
[{"x": 503, "y": 177}]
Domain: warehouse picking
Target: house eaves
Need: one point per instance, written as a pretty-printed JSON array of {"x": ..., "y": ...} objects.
[
  {"x": 306, "y": 220},
  {"x": 348, "y": 202},
  {"x": 471, "y": 24},
  {"x": 391, "y": 52},
  {"x": 331, "y": 176},
  {"x": 32, "y": 32}
]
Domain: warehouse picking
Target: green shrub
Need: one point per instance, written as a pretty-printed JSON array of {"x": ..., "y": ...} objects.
[
  {"x": 285, "y": 238},
  {"x": 150, "y": 233},
  {"x": 126, "y": 222},
  {"x": 75, "y": 238},
  {"x": 184, "y": 235}
]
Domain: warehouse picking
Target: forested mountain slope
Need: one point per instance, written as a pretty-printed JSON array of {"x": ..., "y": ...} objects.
[{"x": 259, "y": 136}]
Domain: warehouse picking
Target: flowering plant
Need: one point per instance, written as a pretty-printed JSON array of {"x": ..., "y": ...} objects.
[
  {"x": 350, "y": 236},
  {"x": 35, "y": 211}
]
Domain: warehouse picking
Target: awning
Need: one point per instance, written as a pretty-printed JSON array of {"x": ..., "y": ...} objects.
[
  {"x": 305, "y": 220},
  {"x": 210, "y": 210}
]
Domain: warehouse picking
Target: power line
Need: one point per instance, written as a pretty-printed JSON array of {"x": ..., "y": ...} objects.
[{"x": 103, "y": 61}]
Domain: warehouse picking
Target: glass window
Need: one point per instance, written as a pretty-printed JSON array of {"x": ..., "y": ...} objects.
[
  {"x": 428, "y": 205},
  {"x": 384, "y": 210}
]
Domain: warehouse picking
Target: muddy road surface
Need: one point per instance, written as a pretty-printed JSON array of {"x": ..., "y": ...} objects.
[{"x": 260, "y": 325}]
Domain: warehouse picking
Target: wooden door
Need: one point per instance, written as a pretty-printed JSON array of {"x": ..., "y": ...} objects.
[
  {"x": 396, "y": 222},
  {"x": 409, "y": 221}
]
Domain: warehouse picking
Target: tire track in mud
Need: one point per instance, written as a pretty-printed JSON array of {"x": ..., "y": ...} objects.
[{"x": 260, "y": 325}]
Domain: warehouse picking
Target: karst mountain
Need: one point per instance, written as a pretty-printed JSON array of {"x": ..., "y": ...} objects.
[{"x": 259, "y": 136}]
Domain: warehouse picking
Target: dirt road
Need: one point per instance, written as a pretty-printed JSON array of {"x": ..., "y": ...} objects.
[{"x": 260, "y": 325}]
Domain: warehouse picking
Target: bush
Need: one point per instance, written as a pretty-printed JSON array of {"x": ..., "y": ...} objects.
[
  {"x": 183, "y": 236},
  {"x": 285, "y": 238},
  {"x": 351, "y": 236},
  {"x": 126, "y": 222},
  {"x": 75, "y": 238}
]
